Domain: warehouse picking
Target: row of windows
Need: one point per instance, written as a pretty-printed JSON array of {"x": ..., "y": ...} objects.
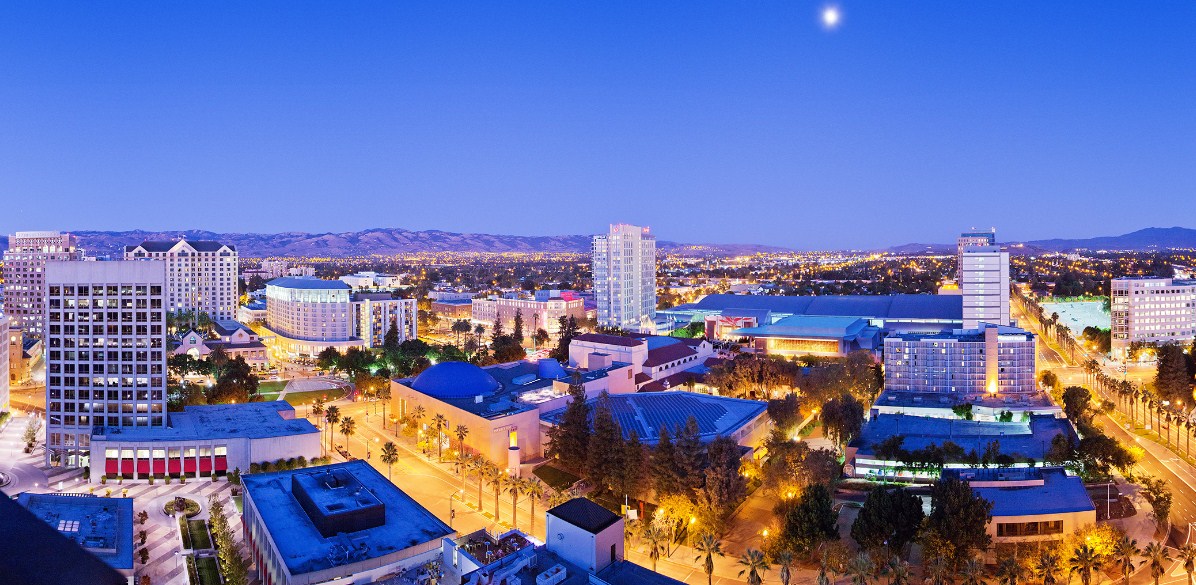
[
  {"x": 1042, "y": 528},
  {"x": 110, "y": 395},
  {"x": 102, "y": 382},
  {"x": 110, "y": 330},
  {"x": 172, "y": 452},
  {"x": 109, "y": 289}
]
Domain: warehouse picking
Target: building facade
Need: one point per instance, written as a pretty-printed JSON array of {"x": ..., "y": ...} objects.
[
  {"x": 1151, "y": 310},
  {"x": 201, "y": 275},
  {"x": 25, "y": 275},
  {"x": 375, "y": 313},
  {"x": 308, "y": 314},
  {"x": 537, "y": 314},
  {"x": 624, "y": 271},
  {"x": 984, "y": 284},
  {"x": 5, "y": 349},
  {"x": 969, "y": 239},
  {"x": 991, "y": 360},
  {"x": 105, "y": 352}
]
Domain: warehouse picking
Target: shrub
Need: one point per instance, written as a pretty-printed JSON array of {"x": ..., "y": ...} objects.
[
  {"x": 255, "y": 468},
  {"x": 103, "y": 479},
  {"x": 291, "y": 463},
  {"x": 151, "y": 480},
  {"x": 302, "y": 461},
  {"x": 281, "y": 465},
  {"x": 167, "y": 480}
]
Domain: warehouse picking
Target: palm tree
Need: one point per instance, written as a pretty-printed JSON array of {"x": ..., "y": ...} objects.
[
  {"x": 514, "y": 486},
  {"x": 1124, "y": 551},
  {"x": 317, "y": 410},
  {"x": 535, "y": 491},
  {"x": 348, "y": 428},
  {"x": 1187, "y": 553},
  {"x": 1046, "y": 568},
  {"x": 331, "y": 416},
  {"x": 899, "y": 571},
  {"x": 938, "y": 571},
  {"x": 1084, "y": 561},
  {"x": 785, "y": 561},
  {"x": 1158, "y": 557},
  {"x": 708, "y": 546},
  {"x": 754, "y": 565},
  {"x": 496, "y": 477},
  {"x": 1009, "y": 571},
  {"x": 972, "y": 573},
  {"x": 390, "y": 455},
  {"x": 658, "y": 541},
  {"x": 461, "y": 431},
  {"x": 439, "y": 424},
  {"x": 477, "y": 466},
  {"x": 860, "y": 568},
  {"x": 384, "y": 396}
]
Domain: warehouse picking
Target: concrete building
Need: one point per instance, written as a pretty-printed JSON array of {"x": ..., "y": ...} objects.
[
  {"x": 201, "y": 275},
  {"x": 501, "y": 404},
  {"x": 105, "y": 352},
  {"x": 100, "y": 526},
  {"x": 585, "y": 534},
  {"x": 204, "y": 440},
  {"x": 25, "y": 275},
  {"x": 1151, "y": 310},
  {"x": 1030, "y": 506},
  {"x": 23, "y": 354},
  {"x": 984, "y": 285},
  {"x": 812, "y": 335},
  {"x": 252, "y": 312},
  {"x": 274, "y": 268},
  {"x": 373, "y": 281},
  {"x": 964, "y": 363},
  {"x": 967, "y": 240},
  {"x": 452, "y": 309},
  {"x": 537, "y": 313},
  {"x": 307, "y": 315},
  {"x": 624, "y": 267},
  {"x": 341, "y": 522},
  {"x": 5, "y": 349}
]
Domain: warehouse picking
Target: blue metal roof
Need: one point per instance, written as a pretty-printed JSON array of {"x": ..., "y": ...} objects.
[
  {"x": 646, "y": 413},
  {"x": 1059, "y": 493},
  {"x": 253, "y": 420},
  {"x": 1027, "y": 439},
  {"x": 902, "y": 306},
  {"x": 805, "y": 326},
  {"x": 308, "y": 283},
  {"x": 455, "y": 380}
]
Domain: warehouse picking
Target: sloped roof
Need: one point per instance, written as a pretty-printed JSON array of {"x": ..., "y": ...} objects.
[
  {"x": 166, "y": 245},
  {"x": 901, "y": 306},
  {"x": 668, "y": 353},
  {"x": 609, "y": 339}
]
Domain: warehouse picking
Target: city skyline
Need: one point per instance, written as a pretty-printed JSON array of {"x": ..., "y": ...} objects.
[{"x": 978, "y": 112}]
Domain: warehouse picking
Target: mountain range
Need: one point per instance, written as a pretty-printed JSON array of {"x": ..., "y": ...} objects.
[
  {"x": 381, "y": 241},
  {"x": 1141, "y": 240}
]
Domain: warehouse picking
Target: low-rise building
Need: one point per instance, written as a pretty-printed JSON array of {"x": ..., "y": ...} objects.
[
  {"x": 23, "y": 353},
  {"x": 800, "y": 335},
  {"x": 452, "y": 309},
  {"x": 993, "y": 360},
  {"x": 6, "y": 349},
  {"x": 204, "y": 440},
  {"x": 344, "y": 521},
  {"x": 100, "y": 526},
  {"x": 235, "y": 339},
  {"x": 372, "y": 281},
  {"x": 537, "y": 313},
  {"x": 252, "y": 312},
  {"x": 653, "y": 358}
]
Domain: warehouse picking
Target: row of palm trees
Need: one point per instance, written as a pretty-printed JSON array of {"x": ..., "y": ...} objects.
[
  {"x": 1165, "y": 418},
  {"x": 1051, "y": 326}
]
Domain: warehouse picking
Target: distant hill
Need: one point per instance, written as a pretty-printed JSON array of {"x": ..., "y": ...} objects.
[
  {"x": 1141, "y": 240},
  {"x": 382, "y": 241}
]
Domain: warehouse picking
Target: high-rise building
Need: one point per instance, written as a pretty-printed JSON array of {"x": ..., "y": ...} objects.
[
  {"x": 105, "y": 352},
  {"x": 25, "y": 275},
  {"x": 308, "y": 314},
  {"x": 989, "y": 360},
  {"x": 984, "y": 283},
  {"x": 201, "y": 275},
  {"x": 968, "y": 239},
  {"x": 1151, "y": 310},
  {"x": 4, "y": 365},
  {"x": 624, "y": 270}
]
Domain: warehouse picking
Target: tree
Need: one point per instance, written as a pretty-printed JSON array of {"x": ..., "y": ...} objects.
[
  {"x": 1159, "y": 496},
  {"x": 785, "y": 412},
  {"x": 1085, "y": 560},
  {"x": 657, "y": 539},
  {"x": 634, "y": 463},
  {"x": 496, "y": 330},
  {"x": 1076, "y": 401},
  {"x": 517, "y": 329},
  {"x": 809, "y": 521},
  {"x": 1172, "y": 379},
  {"x": 972, "y": 573},
  {"x": 390, "y": 342},
  {"x": 665, "y": 478},
  {"x": 232, "y": 565},
  {"x": 1124, "y": 552},
  {"x": 496, "y": 477},
  {"x": 1049, "y": 379},
  {"x": 958, "y": 518},
  {"x": 1187, "y": 553},
  {"x": 439, "y": 425},
  {"x": 1046, "y": 567},
  {"x": 707, "y": 548},
  {"x": 1009, "y": 571},
  {"x": 568, "y": 330},
  {"x": 534, "y": 489},
  {"x": 569, "y": 440},
  {"x": 603, "y": 465},
  {"x": 390, "y": 456},
  {"x": 724, "y": 487},
  {"x": 754, "y": 565},
  {"x": 31, "y": 430},
  {"x": 331, "y": 416},
  {"x": 461, "y": 432},
  {"x": 540, "y": 337},
  {"x": 842, "y": 417},
  {"x": 784, "y": 560},
  {"x": 328, "y": 359},
  {"x": 889, "y": 518},
  {"x": 1157, "y": 557},
  {"x": 687, "y": 456},
  {"x": 860, "y": 568},
  {"x": 513, "y": 486},
  {"x": 348, "y": 428}
]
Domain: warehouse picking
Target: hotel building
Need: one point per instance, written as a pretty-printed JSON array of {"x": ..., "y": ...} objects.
[
  {"x": 624, "y": 270},
  {"x": 990, "y": 360},
  {"x": 5, "y": 350},
  {"x": 969, "y": 239},
  {"x": 105, "y": 352},
  {"x": 25, "y": 275},
  {"x": 201, "y": 275},
  {"x": 544, "y": 312},
  {"x": 1152, "y": 310},
  {"x": 984, "y": 284},
  {"x": 308, "y": 314}
]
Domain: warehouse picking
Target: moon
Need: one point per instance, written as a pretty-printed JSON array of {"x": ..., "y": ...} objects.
[{"x": 831, "y": 17}]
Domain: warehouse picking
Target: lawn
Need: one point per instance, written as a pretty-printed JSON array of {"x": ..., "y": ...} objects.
[
  {"x": 302, "y": 398},
  {"x": 271, "y": 386},
  {"x": 186, "y": 533},
  {"x": 556, "y": 478},
  {"x": 209, "y": 571},
  {"x": 237, "y": 503},
  {"x": 200, "y": 539}
]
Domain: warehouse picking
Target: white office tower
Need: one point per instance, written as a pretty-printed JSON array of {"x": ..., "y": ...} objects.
[
  {"x": 25, "y": 275},
  {"x": 1152, "y": 310},
  {"x": 201, "y": 275},
  {"x": 624, "y": 270},
  {"x": 105, "y": 352},
  {"x": 969, "y": 239},
  {"x": 984, "y": 282}
]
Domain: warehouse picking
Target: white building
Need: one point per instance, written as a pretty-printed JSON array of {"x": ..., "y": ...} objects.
[
  {"x": 375, "y": 313},
  {"x": 274, "y": 268},
  {"x": 542, "y": 313},
  {"x": 105, "y": 352},
  {"x": 1152, "y": 310},
  {"x": 4, "y": 365},
  {"x": 372, "y": 281},
  {"x": 624, "y": 270},
  {"x": 969, "y": 239},
  {"x": 990, "y": 360},
  {"x": 984, "y": 283},
  {"x": 201, "y": 275},
  {"x": 307, "y": 315},
  {"x": 25, "y": 275},
  {"x": 585, "y": 534}
]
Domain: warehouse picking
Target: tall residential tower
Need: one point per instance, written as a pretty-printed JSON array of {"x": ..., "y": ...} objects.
[
  {"x": 968, "y": 239},
  {"x": 201, "y": 275},
  {"x": 25, "y": 275},
  {"x": 624, "y": 267}
]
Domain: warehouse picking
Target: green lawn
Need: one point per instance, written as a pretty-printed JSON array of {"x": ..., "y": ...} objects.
[
  {"x": 192, "y": 574},
  {"x": 271, "y": 386},
  {"x": 200, "y": 539},
  {"x": 556, "y": 478},
  {"x": 208, "y": 570},
  {"x": 237, "y": 503},
  {"x": 186, "y": 533}
]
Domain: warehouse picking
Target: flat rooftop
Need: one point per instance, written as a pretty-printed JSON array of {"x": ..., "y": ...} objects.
[
  {"x": 897, "y": 307},
  {"x": 1026, "y": 438},
  {"x": 101, "y": 526},
  {"x": 646, "y": 413},
  {"x": 308, "y": 283},
  {"x": 914, "y": 399},
  {"x": 1030, "y": 491},
  {"x": 301, "y": 545},
  {"x": 960, "y": 335},
  {"x": 252, "y": 420}
]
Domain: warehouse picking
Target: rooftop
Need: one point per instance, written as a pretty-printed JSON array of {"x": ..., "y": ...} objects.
[
  {"x": 458, "y": 302},
  {"x": 609, "y": 339},
  {"x": 629, "y": 573},
  {"x": 814, "y": 327},
  {"x": 963, "y": 334},
  {"x": 101, "y": 526},
  {"x": 585, "y": 514},
  {"x": 253, "y": 420},
  {"x": 646, "y": 413},
  {"x": 903, "y": 306},
  {"x": 300, "y": 543},
  {"x": 166, "y": 245},
  {"x": 1026, "y": 438},
  {"x": 308, "y": 283},
  {"x": 1029, "y": 491},
  {"x": 229, "y": 326},
  {"x": 34, "y": 553},
  {"x": 892, "y": 398},
  {"x": 663, "y": 354}
]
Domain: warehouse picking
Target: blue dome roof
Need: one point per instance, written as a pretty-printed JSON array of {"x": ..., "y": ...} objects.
[{"x": 454, "y": 380}]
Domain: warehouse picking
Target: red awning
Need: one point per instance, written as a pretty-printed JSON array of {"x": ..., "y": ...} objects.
[
  {"x": 111, "y": 466},
  {"x": 126, "y": 467},
  {"x": 205, "y": 464},
  {"x": 221, "y": 463},
  {"x": 173, "y": 466},
  {"x": 142, "y": 467},
  {"x": 189, "y": 465}
]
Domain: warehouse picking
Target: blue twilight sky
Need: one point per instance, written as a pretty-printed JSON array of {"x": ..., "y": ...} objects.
[{"x": 719, "y": 121}]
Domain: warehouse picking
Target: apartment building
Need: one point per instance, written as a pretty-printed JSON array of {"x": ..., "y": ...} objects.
[
  {"x": 537, "y": 313},
  {"x": 992, "y": 360},
  {"x": 201, "y": 275},
  {"x": 105, "y": 352},
  {"x": 624, "y": 271},
  {"x": 984, "y": 284},
  {"x": 967, "y": 240},
  {"x": 25, "y": 275},
  {"x": 1151, "y": 310},
  {"x": 5, "y": 349}
]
